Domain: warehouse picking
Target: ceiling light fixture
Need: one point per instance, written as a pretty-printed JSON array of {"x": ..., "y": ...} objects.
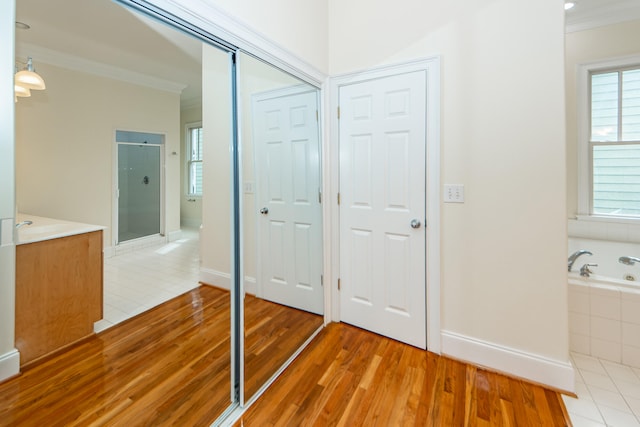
[
  {"x": 569, "y": 5},
  {"x": 28, "y": 78}
]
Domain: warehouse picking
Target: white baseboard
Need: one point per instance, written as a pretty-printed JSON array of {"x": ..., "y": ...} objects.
[
  {"x": 223, "y": 280},
  {"x": 172, "y": 236},
  {"x": 250, "y": 285},
  {"x": 9, "y": 364},
  {"x": 553, "y": 373},
  {"x": 215, "y": 278},
  {"x": 191, "y": 222}
]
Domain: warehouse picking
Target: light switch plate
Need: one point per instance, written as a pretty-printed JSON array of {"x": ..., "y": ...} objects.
[
  {"x": 248, "y": 187},
  {"x": 454, "y": 193}
]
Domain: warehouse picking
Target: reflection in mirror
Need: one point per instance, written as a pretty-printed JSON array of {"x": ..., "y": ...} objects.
[
  {"x": 282, "y": 217},
  {"x": 116, "y": 71}
]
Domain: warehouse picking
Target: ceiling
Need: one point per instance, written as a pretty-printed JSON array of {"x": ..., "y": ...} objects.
[
  {"x": 594, "y": 13},
  {"x": 103, "y": 37}
]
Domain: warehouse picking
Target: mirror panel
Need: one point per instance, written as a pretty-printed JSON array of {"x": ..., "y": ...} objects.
[
  {"x": 118, "y": 70},
  {"x": 281, "y": 217}
]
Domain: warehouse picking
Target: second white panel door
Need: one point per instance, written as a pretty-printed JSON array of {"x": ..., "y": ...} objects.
[{"x": 382, "y": 207}]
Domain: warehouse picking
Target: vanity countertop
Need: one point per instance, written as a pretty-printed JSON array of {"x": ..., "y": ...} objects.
[{"x": 49, "y": 228}]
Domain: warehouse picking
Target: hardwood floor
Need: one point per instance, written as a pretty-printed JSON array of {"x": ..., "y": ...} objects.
[
  {"x": 270, "y": 326},
  {"x": 167, "y": 366},
  {"x": 351, "y": 377}
]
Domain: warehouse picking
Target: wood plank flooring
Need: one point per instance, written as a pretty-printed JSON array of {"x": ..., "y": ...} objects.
[
  {"x": 351, "y": 377},
  {"x": 270, "y": 326},
  {"x": 168, "y": 366}
]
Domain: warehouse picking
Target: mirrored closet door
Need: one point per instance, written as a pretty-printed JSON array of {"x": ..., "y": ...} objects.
[{"x": 281, "y": 217}]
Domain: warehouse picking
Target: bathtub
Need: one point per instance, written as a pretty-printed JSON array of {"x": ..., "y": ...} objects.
[{"x": 604, "y": 309}]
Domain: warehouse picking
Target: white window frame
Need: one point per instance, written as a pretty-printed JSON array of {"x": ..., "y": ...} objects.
[
  {"x": 585, "y": 165},
  {"x": 187, "y": 157}
]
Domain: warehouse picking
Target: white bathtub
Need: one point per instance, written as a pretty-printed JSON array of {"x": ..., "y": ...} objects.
[
  {"x": 48, "y": 228},
  {"x": 604, "y": 309}
]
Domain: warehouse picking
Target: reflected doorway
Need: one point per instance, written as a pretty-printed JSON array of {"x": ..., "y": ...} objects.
[{"x": 139, "y": 187}]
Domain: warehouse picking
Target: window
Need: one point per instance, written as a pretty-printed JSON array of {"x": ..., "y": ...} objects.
[
  {"x": 614, "y": 142},
  {"x": 194, "y": 159}
]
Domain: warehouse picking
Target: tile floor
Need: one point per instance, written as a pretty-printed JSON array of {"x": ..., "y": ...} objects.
[
  {"x": 608, "y": 394},
  {"x": 135, "y": 281}
]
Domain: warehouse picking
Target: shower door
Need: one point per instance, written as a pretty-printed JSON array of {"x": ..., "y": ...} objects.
[{"x": 139, "y": 188}]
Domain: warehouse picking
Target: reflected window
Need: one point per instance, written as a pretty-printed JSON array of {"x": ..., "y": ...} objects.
[{"x": 194, "y": 159}]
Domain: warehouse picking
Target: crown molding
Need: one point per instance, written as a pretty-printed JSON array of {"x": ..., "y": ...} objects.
[
  {"x": 601, "y": 16},
  {"x": 76, "y": 63},
  {"x": 217, "y": 22}
]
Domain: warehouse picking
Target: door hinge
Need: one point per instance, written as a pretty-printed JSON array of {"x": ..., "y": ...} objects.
[
  {"x": 317, "y": 116},
  {"x": 321, "y": 280},
  {"x": 338, "y": 284},
  {"x": 338, "y": 198},
  {"x": 320, "y": 197},
  {"x": 338, "y": 113}
]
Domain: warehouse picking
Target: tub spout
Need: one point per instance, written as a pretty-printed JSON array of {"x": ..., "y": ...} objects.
[
  {"x": 20, "y": 224},
  {"x": 628, "y": 260},
  {"x": 574, "y": 256},
  {"x": 585, "y": 271}
]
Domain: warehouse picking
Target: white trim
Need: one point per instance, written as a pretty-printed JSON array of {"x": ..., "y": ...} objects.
[
  {"x": 206, "y": 16},
  {"x": 191, "y": 222},
  {"x": 174, "y": 235},
  {"x": 9, "y": 364},
  {"x": 75, "y": 63},
  {"x": 605, "y": 14},
  {"x": 432, "y": 67},
  {"x": 215, "y": 278},
  {"x": 187, "y": 157},
  {"x": 583, "y": 134},
  {"x": 533, "y": 367}
]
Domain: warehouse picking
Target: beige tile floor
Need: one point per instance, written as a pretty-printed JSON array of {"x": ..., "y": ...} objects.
[
  {"x": 608, "y": 394},
  {"x": 135, "y": 281}
]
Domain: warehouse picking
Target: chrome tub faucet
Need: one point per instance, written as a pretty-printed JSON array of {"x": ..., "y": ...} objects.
[
  {"x": 20, "y": 224},
  {"x": 574, "y": 256},
  {"x": 585, "y": 271},
  {"x": 628, "y": 260}
]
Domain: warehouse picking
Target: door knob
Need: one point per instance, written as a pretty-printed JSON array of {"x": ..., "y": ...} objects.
[
  {"x": 264, "y": 211},
  {"x": 415, "y": 223}
]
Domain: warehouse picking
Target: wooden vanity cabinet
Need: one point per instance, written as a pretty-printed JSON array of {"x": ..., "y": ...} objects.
[{"x": 59, "y": 287}]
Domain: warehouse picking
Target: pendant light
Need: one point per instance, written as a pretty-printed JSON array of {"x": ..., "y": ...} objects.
[
  {"x": 21, "y": 91},
  {"x": 28, "y": 78}
]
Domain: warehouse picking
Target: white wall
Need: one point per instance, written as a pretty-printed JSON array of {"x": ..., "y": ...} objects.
[
  {"x": 298, "y": 26},
  {"x": 9, "y": 356},
  {"x": 598, "y": 44},
  {"x": 504, "y": 250},
  {"x": 190, "y": 207},
  {"x": 65, "y": 142},
  {"x": 215, "y": 237}
]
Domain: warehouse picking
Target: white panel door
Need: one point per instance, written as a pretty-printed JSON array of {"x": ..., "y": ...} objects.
[
  {"x": 287, "y": 163},
  {"x": 382, "y": 206}
]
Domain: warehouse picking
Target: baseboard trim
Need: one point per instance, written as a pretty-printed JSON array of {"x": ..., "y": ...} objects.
[
  {"x": 215, "y": 278},
  {"x": 9, "y": 365},
  {"x": 532, "y": 367},
  {"x": 223, "y": 280},
  {"x": 172, "y": 236}
]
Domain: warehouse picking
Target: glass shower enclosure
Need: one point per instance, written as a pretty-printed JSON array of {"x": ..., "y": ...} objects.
[{"x": 139, "y": 189}]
